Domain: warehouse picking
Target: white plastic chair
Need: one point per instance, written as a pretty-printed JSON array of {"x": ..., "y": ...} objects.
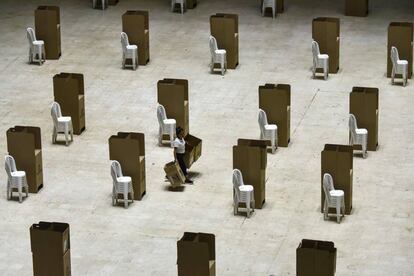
[
  {"x": 333, "y": 198},
  {"x": 121, "y": 184},
  {"x": 104, "y": 4},
  {"x": 36, "y": 47},
  {"x": 242, "y": 193},
  {"x": 15, "y": 179},
  {"x": 319, "y": 60},
  {"x": 61, "y": 124},
  {"x": 269, "y": 4},
  {"x": 166, "y": 126},
  {"x": 128, "y": 52},
  {"x": 398, "y": 66},
  {"x": 267, "y": 131},
  {"x": 217, "y": 56},
  {"x": 181, "y": 2},
  {"x": 359, "y": 136}
]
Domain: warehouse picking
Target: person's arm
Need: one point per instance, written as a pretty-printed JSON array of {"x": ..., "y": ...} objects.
[{"x": 175, "y": 154}]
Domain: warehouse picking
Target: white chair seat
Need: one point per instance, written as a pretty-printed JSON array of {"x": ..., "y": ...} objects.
[
  {"x": 38, "y": 42},
  {"x": 270, "y": 127},
  {"x": 246, "y": 188},
  {"x": 220, "y": 52},
  {"x": 336, "y": 193},
  {"x": 124, "y": 179},
  {"x": 18, "y": 174},
  {"x": 132, "y": 47},
  {"x": 323, "y": 56},
  {"x": 402, "y": 62},
  {"x": 64, "y": 119},
  {"x": 169, "y": 121},
  {"x": 361, "y": 131}
]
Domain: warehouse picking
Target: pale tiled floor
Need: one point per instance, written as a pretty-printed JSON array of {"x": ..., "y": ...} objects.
[{"x": 377, "y": 239}]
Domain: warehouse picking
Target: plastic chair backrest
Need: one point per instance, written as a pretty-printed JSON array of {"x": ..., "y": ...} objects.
[
  {"x": 161, "y": 114},
  {"x": 394, "y": 55},
  {"x": 56, "y": 113},
  {"x": 237, "y": 179},
  {"x": 124, "y": 41},
  {"x": 31, "y": 36},
  {"x": 328, "y": 186},
  {"x": 116, "y": 170},
  {"x": 352, "y": 125},
  {"x": 262, "y": 120},
  {"x": 10, "y": 165},
  {"x": 213, "y": 45},
  {"x": 315, "y": 50}
]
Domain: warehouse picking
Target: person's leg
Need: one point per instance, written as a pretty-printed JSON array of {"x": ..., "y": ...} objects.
[{"x": 180, "y": 158}]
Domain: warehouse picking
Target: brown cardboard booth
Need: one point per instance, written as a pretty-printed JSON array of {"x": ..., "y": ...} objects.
[
  {"x": 136, "y": 25},
  {"x": 24, "y": 143},
  {"x": 315, "y": 258},
  {"x": 47, "y": 27},
  {"x": 275, "y": 101},
  {"x": 50, "y": 244},
  {"x": 250, "y": 157},
  {"x": 196, "y": 255},
  {"x": 174, "y": 174},
  {"x": 173, "y": 95},
  {"x": 191, "y": 4},
  {"x": 326, "y": 31},
  {"x": 400, "y": 35},
  {"x": 225, "y": 28},
  {"x": 356, "y": 7},
  {"x": 363, "y": 103},
  {"x": 128, "y": 148},
  {"x": 337, "y": 160},
  {"x": 69, "y": 92}
]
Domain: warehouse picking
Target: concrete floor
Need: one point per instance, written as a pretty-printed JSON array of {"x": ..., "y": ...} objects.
[{"x": 377, "y": 239}]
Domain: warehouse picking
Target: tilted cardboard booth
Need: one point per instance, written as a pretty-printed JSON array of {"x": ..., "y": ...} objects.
[
  {"x": 225, "y": 28},
  {"x": 315, "y": 258},
  {"x": 174, "y": 174},
  {"x": 250, "y": 157},
  {"x": 173, "y": 95},
  {"x": 128, "y": 148},
  {"x": 326, "y": 31},
  {"x": 50, "y": 244},
  {"x": 196, "y": 254},
  {"x": 193, "y": 148},
  {"x": 24, "y": 143},
  {"x": 275, "y": 101},
  {"x": 400, "y": 35},
  {"x": 136, "y": 25},
  {"x": 337, "y": 160},
  {"x": 47, "y": 27},
  {"x": 356, "y": 7},
  {"x": 363, "y": 103},
  {"x": 69, "y": 92}
]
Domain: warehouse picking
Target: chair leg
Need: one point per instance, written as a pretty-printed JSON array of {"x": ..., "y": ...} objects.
[
  {"x": 20, "y": 192},
  {"x": 338, "y": 211},
  {"x": 67, "y": 135},
  {"x": 171, "y": 136},
  {"x": 222, "y": 68},
  {"x": 325, "y": 210},
  {"x": 126, "y": 200},
  {"x": 392, "y": 75},
  {"x": 364, "y": 150},
  {"x": 160, "y": 136},
  {"x": 71, "y": 132}
]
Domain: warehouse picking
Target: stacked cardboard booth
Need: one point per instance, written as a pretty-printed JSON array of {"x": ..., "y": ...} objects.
[
  {"x": 128, "y": 148},
  {"x": 50, "y": 243},
  {"x": 68, "y": 89},
  {"x": 196, "y": 254},
  {"x": 225, "y": 28},
  {"x": 337, "y": 160},
  {"x": 136, "y": 25},
  {"x": 47, "y": 25},
  {"x": 250, "y": 157},
  {"x": 325, "y": 31},
  {"x": 400, "y": 35},
  {"x": 24, "y": 143},
  {"x": 275, "y": 101}
]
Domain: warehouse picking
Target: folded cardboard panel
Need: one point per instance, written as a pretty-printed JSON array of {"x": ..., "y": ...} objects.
[
  {"x": 128, "y": 148},
  {"x": 192, "y": 150},
  {"x": 356, "y": 7},
  {"x": 196, "y": 254},
  {"x": 315, "y": 258},
  {"x": 47, "y": 25},
  {"x": 364, "y": 104},
  {"x": 224, "y": 27},
  {"x": 173, "y": 95},
  {"x": 326, "y": 31},
  {"x": 69, "y": 92},
  {"x": 400, "y": 35},
  {"x": 251, "y": 161},
  {"x": 50, "y": 245},
  {"x": 25, "y": 145},
  {"x": 337, "y": 160},
  {"x": 174, "y": 174},
  {"x": 275, "y": 101},
  {"x": 136, "y": 25}
]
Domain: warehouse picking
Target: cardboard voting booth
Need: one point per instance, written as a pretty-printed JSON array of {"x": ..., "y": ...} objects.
[
  {"x": 136, "y": 25},
  {"x": 315, "y": 258},
  {"x": 47, "y": 27},
  {"x": 400, "y": 35}
]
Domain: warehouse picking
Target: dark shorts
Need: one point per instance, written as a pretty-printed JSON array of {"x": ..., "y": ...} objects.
[{"x": 180, "y": 159}]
